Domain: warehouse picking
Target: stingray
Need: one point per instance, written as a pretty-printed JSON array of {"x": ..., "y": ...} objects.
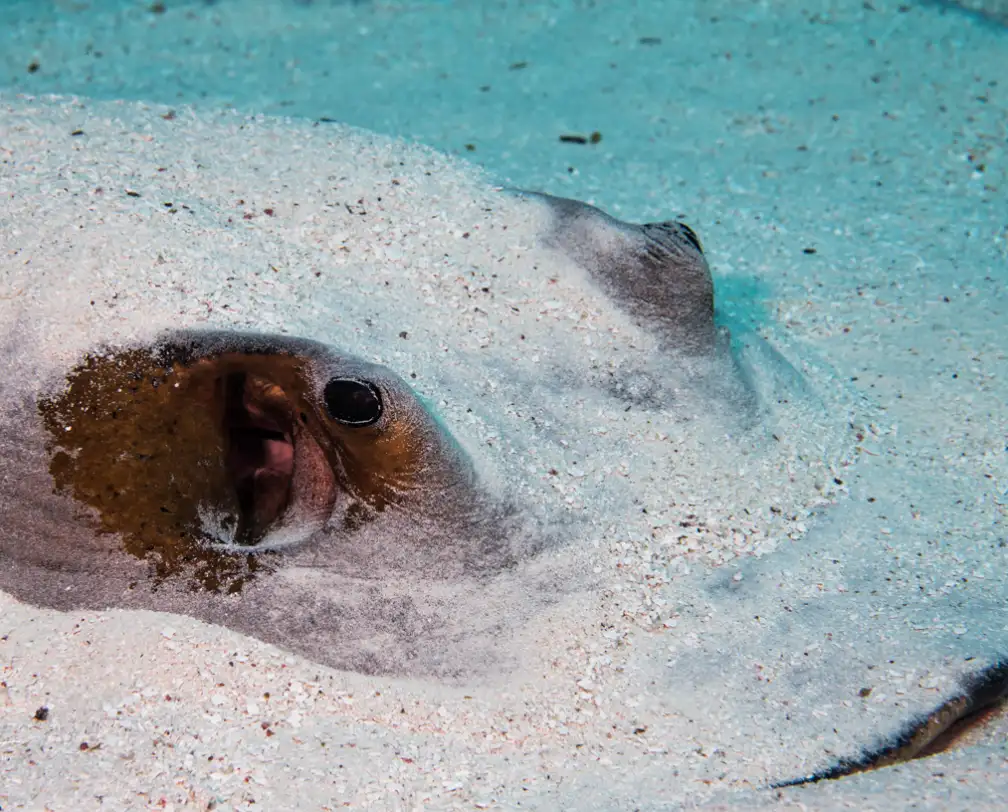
[
  {"x": 380, "y": 412},
  {"x": 217, "y": 462}
]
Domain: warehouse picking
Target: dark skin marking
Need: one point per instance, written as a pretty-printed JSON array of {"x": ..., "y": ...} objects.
[{"x": 983, "y": 694}]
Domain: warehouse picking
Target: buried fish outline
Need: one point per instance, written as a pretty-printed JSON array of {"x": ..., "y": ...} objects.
[
  {"x": 248, "y": 418},
  {"x": 212, "y": 452},
  {"x": 593, "y": 380},
  {"x": 242, "y": 443},
  {"x": 228, "y": 464}
]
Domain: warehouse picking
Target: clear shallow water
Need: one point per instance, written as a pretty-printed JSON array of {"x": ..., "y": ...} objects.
[{"x": 500, "y": 82}]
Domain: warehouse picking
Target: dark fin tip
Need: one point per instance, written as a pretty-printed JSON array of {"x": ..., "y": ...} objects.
[{"x": 980, "y": 690}]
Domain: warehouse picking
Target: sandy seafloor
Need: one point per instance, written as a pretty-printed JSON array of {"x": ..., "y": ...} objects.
[{"x": 845, "y": 165}]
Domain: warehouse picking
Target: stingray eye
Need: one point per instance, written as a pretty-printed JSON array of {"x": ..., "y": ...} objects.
[{"x": 353, "y": 403}]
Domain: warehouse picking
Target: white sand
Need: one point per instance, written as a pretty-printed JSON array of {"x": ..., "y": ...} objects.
[{"x": 891, "y": 197}]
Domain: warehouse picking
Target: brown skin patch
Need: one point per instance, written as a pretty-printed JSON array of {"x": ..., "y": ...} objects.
[
  {"x": 151, "y": 445},
  {"x": 142, "y": 445}
]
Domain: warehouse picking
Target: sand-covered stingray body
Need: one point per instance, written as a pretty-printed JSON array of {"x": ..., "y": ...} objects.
[
  {"x": 383, "y": 420},
  {"x": 345, "y": 396}
]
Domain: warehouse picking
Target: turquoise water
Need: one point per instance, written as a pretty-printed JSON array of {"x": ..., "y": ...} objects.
[{"x": 497, "y": 82}]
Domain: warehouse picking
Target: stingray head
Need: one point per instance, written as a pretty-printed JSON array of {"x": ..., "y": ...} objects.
[{"x": 208, "y": 449}]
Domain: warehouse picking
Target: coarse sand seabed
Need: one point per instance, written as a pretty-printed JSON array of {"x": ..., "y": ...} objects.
[{"x": 779, "y": 132}]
